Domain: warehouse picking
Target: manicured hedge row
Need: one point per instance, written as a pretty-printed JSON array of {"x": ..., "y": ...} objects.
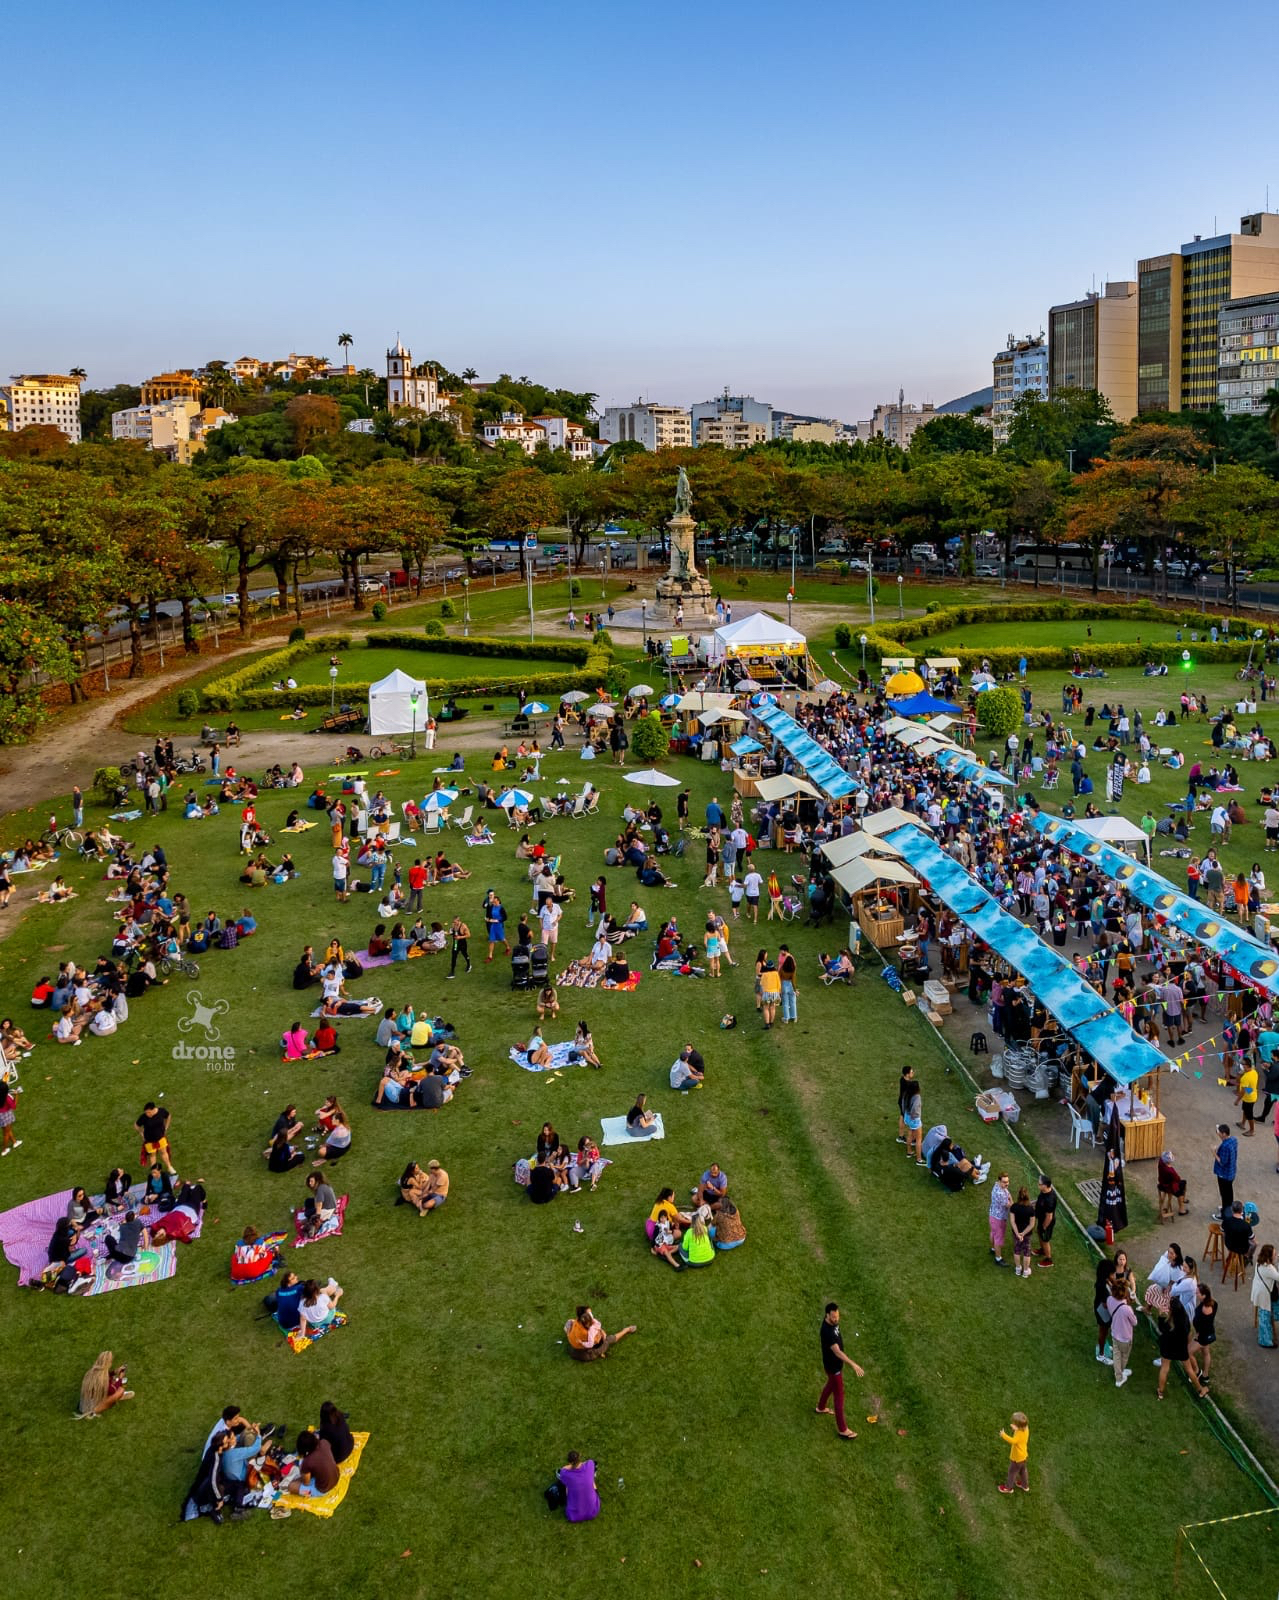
[
  {"x": 888, "y": 639},
  {"x": 224, "y": 694},
  {"x": 509, "y": 649}
]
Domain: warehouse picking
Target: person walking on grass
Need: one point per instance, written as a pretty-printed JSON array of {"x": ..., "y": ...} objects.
[
  {"x": 905, "y": 1094},
  {"x": 834, "y": 1360},
  {"x": 1174, "y": 1345},
  {"x": 997, "y": 1217},
  {"x": 1018, "y": 1442},
  {"x": 1045, "y": 1219},
  {"x": 461, "y": 936}
]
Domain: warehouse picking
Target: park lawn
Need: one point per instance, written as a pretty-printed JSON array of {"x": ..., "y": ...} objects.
[
  {"x": 452, "y": 1357},
  {"x": 1068, "y": 633}
]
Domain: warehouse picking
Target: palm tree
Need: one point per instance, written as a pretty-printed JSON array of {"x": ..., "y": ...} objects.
[
  {"x": 1271, "y": 402},
  {"x": 470, "y": 375},
  {"x": 79, "y": 373},
  {"x": 345, "y": 341}
]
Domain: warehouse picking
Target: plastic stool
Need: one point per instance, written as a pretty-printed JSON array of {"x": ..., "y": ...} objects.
[
  {"x": 1213, "y": 1250},
  {"x": 977, "y": 1045}
]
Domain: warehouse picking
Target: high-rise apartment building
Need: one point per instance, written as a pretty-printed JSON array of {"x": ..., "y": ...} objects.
[
  {"x": 1248, "y": 353},
  {"x": 655, "y": 427},
  {"x": 738, "y": 408},
  {"x": 42, "y": 399},
  {"x": 1021, "y": 367},
  {"x": 1092, "y": 344},
  {"x": 1179, "y": 301},
  {"x": 730, "y": 430},
  {"x": 897, "y": 422}
]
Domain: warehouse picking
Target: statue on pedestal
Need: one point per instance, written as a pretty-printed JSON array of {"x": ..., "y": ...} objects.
[
  {"x": 684, "y": 591},
  {"x": 683, "y": 495}
]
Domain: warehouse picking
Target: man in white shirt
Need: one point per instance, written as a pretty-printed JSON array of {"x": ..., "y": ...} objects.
[
  {"x": 341, "y": 868},
  {"x": 1219, "y": 821},
  {"x": 550, "y": 920},
  {"x": 753, "y": 883}
]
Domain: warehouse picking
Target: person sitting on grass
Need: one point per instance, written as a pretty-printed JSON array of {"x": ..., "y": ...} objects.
[
  {"x": 697, "y": 1247},
  {"x": 325, "y": 1042},
  {"x": 337, "y": 1143},
  {"x": 414, "y": 1187},
  {"x": 640, "y": 1122},
  {"x": 688, "y": 1071},
  {"x": 319, "y": 1304},
  {"x": 102, "y": 1387},
  {"x": 294, "y": 1042},
  {"x": 587, "y": 1340},
  {"x": 394, "y": 1086},
  {"x": 949, "y": 1164},
  {"x": 712, "y": 1188},
  {"x": 666, "y": 1243},
  {"x": 251, "y": 1257},
  {"x": 542, "y": 1186},
  {"x": 584, "y": 1044},
  {"x": 281, "y": 1155}
]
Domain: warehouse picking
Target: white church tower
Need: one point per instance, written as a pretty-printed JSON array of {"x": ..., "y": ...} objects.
[{"x": 407, "y": 387}]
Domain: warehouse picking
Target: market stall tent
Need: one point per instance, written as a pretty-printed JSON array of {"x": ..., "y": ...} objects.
[
  {"x": 1124, "y": 835},
  {"x": 391, "y": 708},
  {"x": 757, "y": 635}
]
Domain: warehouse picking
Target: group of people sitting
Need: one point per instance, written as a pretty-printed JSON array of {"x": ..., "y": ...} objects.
[
  {"x": 947, "y": 1162},
  {"x": 690, "y": 1239},
  {"x": 244, "y": 1468},
  {"x": 556, "y": 1169}
]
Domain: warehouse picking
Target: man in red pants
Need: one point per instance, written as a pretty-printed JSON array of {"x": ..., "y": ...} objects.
[{"x": 834, "y": 1360}]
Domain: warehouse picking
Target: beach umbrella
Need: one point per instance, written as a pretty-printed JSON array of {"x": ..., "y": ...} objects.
[
  {"x": 514, "y": 797},
  {"x": 746, "y": 686},
  {"x": 903, "y": 684},
  {"x": 602, "y": 711},
  {"x": 535, "y": 708},
  {"x": 574, "y": 697},
  {"x": 439, "y": 799},
  {"x": 669, "y": 701},
  {"x": 826, "y": 686},
  {"x": 764, "y": 700},
  {"x": 981, "y": 680},
  {"x": 653, "y": 778},
  {"x": 638, "y": 689}
]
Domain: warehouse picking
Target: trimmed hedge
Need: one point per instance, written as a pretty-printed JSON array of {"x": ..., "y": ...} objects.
[
  {"x": 888, "y": 638},
  {"x": 586, "y": 666}
]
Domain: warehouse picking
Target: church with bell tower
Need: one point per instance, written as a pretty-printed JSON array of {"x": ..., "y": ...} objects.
[{"x": 410, "y": 388}]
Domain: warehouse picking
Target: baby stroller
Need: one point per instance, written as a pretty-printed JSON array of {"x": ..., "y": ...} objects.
[
  {"x": 540, "y": 958},
  {"x": 520, "y": 968}
]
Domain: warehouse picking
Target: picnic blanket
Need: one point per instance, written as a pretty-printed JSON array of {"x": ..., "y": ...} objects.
[
  {"x": 470, "y": 841},
  {"x": 299, "y": 827},
  {"x": 362, "y": 1016},
  {"x": 124, "y": 816},
  {"x": 148, "y": 1266},
  {"x": 560, "y": 1057},
  {"x": 675, "y": 965},
  {"x": 615, "y": 1131},
  {"x": 582, "y": 978},
  {"x": 134, "y": 1200},
  {"x": 299, "y": 1341},
  {"x": 276, "y": 1240},
  {"x": 329, "y": 1229},
  {"x": 46, "y": 897},
  {"x": 324, "y": 1505},
  {"x": 25, "y": 1232},
  {"x": 366, "y": 960}
]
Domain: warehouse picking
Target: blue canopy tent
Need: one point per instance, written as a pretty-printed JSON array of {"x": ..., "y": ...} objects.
[
  {"x": 1235, "y": 945},
  {"x": 745, "y": 746},
  {"x": 1075, "y": 1004},
  {"x": 820, "y": 766},
  {"x": 923, "y": 704},
  {"x": 967, "y": 767}
]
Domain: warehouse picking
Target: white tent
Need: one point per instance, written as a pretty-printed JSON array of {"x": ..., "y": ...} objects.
[
  {"x": 854, "y": 876},
  {"x": 850, "y": 846},
  {"x": 391, "y": 707},
  {"x": 1124, "y": 835},
  {"x": 757, "y": 635}
]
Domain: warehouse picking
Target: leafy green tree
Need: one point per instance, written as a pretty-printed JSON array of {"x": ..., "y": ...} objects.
[
  {"x": 32, "y": 650},
  {"x": 999, "y": 712},
  {"x": 649, "y": 739},
  {"x": 953, "y": 434},
  {"x": 1074, "y": 426}
]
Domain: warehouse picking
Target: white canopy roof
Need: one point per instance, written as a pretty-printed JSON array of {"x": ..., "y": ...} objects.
[
  {"x": 391, "y": 708},
  {"x": 852, "y": 845},
  {"x": 897, "y": 663},
  {"x": 1117, "y": 831},
  {"x": 893, "y": 817},
  {"x": 940, "y": 663},
  {"x": 758, "y": 628},
  {"x": 785, "y": 784},
  {"x": 854, "y": 876},
  {"x": 704, "y": 700}
]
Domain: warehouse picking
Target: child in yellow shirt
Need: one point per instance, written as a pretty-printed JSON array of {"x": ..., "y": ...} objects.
[{"x": 1018, "y": 1442}]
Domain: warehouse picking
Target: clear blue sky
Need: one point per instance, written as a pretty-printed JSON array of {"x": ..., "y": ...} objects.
[{"x": 812, "y": 203}]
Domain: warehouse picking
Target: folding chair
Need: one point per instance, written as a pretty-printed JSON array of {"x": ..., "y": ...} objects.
[
  {"x": 464, "y": 821},
  {"x": 433, "y": 822}
]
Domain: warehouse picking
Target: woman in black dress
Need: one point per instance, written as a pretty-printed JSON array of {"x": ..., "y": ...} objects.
[{"x": 1174, "y": 1345}]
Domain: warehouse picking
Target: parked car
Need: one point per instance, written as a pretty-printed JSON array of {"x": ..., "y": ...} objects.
[
  {"x": 986, "y": 569},
  {"x": 657, "y": 552},
  {"x": 371, "y": 586}
]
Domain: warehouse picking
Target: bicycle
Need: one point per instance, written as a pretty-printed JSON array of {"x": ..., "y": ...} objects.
[
  {"x": 57, "y": 836},
  {"x": 397, "y": 750},
  {"x": 184, "y": 964}
]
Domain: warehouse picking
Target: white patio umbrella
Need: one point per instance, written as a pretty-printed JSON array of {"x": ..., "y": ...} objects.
[
  {"x": 602, "y": 711},
  {"x": 653, "y": 779},
  {"x": 638, "y": 689},
  {"x": 574, "y": 697},
  {"x": 826, "y": 686},
  {"x": 669, "y": 700},
  {"x": 981, "y": 680},
  {"x": 439, "y": 799},
  {"x": 535, "y": 708},
  {"x": 514, "y": 797},
  {"x": 746, "y": 686}
]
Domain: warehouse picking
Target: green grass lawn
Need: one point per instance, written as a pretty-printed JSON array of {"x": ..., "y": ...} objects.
[
  {"x": 1011, "y": 635},
  {"x": 452, "y": 1359}
]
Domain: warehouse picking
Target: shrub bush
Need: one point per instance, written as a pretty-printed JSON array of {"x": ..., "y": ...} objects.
[
  {"x": 106, "y": 780},
  {"x": 574, "y": 588},
  {"x": 297, "y": 635},
  {"x": 188, "y": 702},
  {"x": 649, "y": 741},
  {"x": 221, "y": 694},
  {"x": 999, "y": 712},
  {"x": 603, "y": 640},
  {"x": 843, "y": 636},
  {"x": 447, "y": 608},
  {"x": 434, "y": 629},
  {"x": 379, "y": 611}
]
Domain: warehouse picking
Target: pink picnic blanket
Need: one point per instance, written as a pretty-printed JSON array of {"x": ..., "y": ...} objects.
[
  {"x": 367, "y": 961},
  {"x": 328, "y": 1230},
  {"x": 25, "y": 1232}
]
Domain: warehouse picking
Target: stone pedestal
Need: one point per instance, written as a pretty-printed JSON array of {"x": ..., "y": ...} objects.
[{"x": 683, "y": 587}]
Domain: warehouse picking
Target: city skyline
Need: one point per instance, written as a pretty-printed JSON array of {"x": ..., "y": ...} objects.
[{"x": 608, "y": 204}]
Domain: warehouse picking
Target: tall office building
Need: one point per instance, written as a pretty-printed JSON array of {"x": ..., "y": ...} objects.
[
  {"x": 655, "y": 427},
  {"x": 1179, "y": 301},
  {"x": 1021, "y": 367},
  {"x": 1248, "y": 357},
  {"x": 41, "y": 399},
  {"x": 1092, "y": 344}
]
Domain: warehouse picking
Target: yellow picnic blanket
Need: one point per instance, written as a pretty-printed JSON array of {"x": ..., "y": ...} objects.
[
  {"x": 324, "y": 1505},
  {"x": 298, "y": 827}
]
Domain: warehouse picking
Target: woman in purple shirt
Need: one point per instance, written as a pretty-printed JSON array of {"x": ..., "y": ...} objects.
[{"x": 578, "y": 1477}]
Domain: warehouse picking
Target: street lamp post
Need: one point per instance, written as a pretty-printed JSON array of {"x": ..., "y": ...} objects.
[
  {"x": 862, "y": 642},
  {"x": 603, "y": 568},
  {"x": 413, "y": 702},
  {"x": 333, "y": 689},
  {"x": 870, "y": 582},
  {"x": 528, "y": 572},
  {"x": 900, "y": 611},
  {"x": 790, "y": 596},
  {"x": 644, "y": 624},
  {"x": 466, "y": 608}
]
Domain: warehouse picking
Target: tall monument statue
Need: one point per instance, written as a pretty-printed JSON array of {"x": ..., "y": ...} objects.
[{"x": 683, "y": 591}]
